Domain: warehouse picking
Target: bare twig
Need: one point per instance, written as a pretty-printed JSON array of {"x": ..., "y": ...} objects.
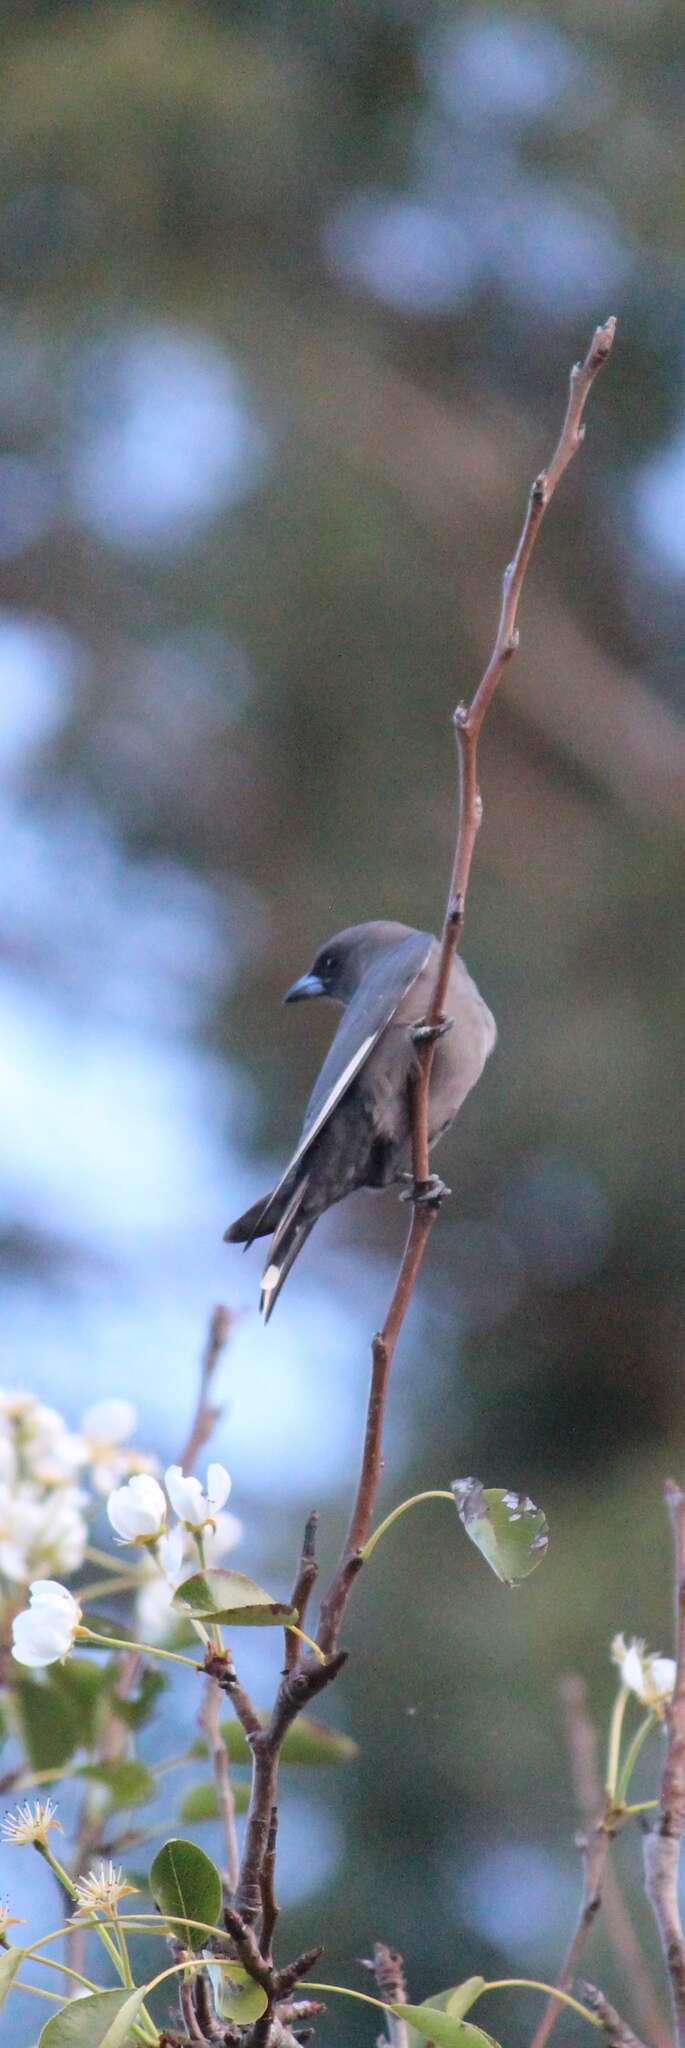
[
  {"x": 307, "y": 1576},
  {"x": 211, "y": 1728},
  {"x": 301, "y": 1683},
  {"x": 383, "y": 1351},
  {"x": 469, "y": 723},
  {"x": 205, "y": 1417},
  {"x": 662, "y": 1845},
  {"x": 387, "y": 1966},
  {"x": 583, "y": 1743},
  {"x": 295, "y": 1691},
  {"x": 617, "y": 2031},
  {"x": 267, "y": 1886},
  {"x": 600, "y": 1888},
  {"x": 190, "y": 2020},
  {"x": 595, "y": 1849},
  {"x": 468, "y": 727},
  {"x": 219, "y": 1665}
]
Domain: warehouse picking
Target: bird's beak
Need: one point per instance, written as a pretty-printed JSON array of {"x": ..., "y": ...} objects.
[{"x": 308, "y": 985}]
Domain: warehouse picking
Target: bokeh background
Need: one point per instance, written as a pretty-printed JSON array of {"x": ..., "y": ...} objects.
[{"x": 288, "y": 296}]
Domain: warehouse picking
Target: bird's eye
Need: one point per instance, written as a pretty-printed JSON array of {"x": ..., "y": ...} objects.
[{"x": 328, "y": 963}]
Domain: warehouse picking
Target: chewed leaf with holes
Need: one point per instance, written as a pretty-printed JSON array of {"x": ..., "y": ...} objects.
[
  {"x": 236, "y": 1996},
  {"x": 510, "y": 1532}
]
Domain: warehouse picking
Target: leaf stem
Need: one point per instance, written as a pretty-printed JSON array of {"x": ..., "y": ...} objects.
[
  {"x": 151, "y": 1649},
  {"x": 215, "y": 1631},
  {"x": 632, "y": 1755},
  {"x": 68, "y": 1886},
  {"x": 293, "y": 1630},
  {"x": 615, "y": 1731},
  {"x": 65, "y": 1970},
  {"x": 433, "y": 1494},
  {"x": 535, "y": 1984}
]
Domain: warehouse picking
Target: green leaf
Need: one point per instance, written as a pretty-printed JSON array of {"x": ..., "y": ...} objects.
[
  {"x": 128, "y": 1782},
  {"x": 511, "y": 1533},
  {"x": 49, "y": 1726},
  {"x": 443, "y": 2029},
  {"x": 81, "y": 1687},
  {"x": 230, "y": 1597},
  {"x": 103, "y": 2020},
  {"x": 136, "y": 1710},
  {"x": 183, "y": 1881},
  {"x": 455, "y": 2002},
  {"x": 236, "y": 1995},
  {"x": 10, "y": 1959},
  {"x": 201, "y": 1802}
]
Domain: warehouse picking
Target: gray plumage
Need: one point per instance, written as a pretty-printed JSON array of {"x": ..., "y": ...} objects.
[{"x": 356, "y": 1131}]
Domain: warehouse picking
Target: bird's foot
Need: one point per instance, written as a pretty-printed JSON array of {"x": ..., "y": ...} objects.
[
  {"x": 426, "y": 1034},
  {"x": 428, "y": 1193}
]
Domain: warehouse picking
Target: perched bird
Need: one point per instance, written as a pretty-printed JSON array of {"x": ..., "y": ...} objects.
[{"x": 357, "y": 1126}]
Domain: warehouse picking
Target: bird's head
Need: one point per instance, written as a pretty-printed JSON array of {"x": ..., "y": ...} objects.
[{"x": 342, "y": 962}]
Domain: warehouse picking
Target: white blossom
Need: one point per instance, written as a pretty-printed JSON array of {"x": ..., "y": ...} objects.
[
  {"x": 44, "y": 1631},
  {"x": 137, "y": 1511},
  {"x": 191, "y": 1504},
  {"x": 30, "y": 1823},
  {"x": 647, "y": 1674},
  {"x": 36, "y": 1444},
  {"x": 41, "y": 1532},
  {"x": 105, "y": 1429}
]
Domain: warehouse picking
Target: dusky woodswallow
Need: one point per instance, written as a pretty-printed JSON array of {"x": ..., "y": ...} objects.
[{"x": 357, "y": 1125}]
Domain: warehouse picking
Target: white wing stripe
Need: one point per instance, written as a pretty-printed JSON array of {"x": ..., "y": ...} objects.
[{"x": 334, "y": 1095}]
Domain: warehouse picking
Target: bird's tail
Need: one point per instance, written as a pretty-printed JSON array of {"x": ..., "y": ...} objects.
[
  {"x": 290, "y": 1234},
  {"x": 278, "y": 1265},
  {"x": 287, "y": 1241},
  {"x": 256, "y": 1222}
]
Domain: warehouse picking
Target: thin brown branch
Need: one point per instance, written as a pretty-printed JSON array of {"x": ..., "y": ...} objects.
[
  {"x": 186, "y": 1995},
  {"x": 219, "y": 1664},
  {"x": 307, "y": 1575},
  {"x": 595, "y": 1848},
  {"x": 469, "y": 723},
  {"x": 211, "y": 1729},
  {"x": 662, "y": 1845},
  {"x": 583, "y": 1744},
  {"x": 267, "y": 1886},
  {"x": 296, "y": 1690},
  {"x": 293, "y": 1696},
  {"x": 383, "y": 1351},
  {"x": 205, "y": 1417},
  {"x": 387, "y": 1966},
  {"x": 617, "y": 2031},
  {"x": 594, "y": 1843}
]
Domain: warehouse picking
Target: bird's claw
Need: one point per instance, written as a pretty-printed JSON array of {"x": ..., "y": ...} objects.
[
  {"x": 426, "y": 1193},
  {"x": 426, "y": 1034}
]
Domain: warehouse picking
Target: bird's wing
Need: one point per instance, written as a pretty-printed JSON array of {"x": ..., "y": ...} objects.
[{"x": 366, "y": 1018}]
